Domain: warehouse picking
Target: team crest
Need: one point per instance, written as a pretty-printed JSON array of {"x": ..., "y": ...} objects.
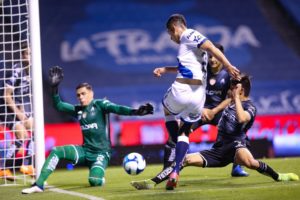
[
  {"x": 84, "y": 115},
  {"x": 212, "y": 81}
]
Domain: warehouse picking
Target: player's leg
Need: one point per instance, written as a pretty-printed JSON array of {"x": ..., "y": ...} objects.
[
  {"x": 71, "y": 153},
  {"x": 97, "y": 170},
  {"x": 27, "y": 167},
  {"x": 169, "y": 149},
  {"x": 182, "y": 147},
  {"x": 244, "y": 157}
]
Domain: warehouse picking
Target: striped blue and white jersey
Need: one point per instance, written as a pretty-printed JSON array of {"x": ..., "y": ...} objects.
[{"x": 192, "y": 61}]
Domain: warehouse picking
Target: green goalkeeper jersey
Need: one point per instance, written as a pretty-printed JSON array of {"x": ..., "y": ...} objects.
[{"x": 93, "y": 121}]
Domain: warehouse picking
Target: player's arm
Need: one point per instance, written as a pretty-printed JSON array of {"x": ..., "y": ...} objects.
[
  {"x": 63, "y": 106},
  {"x": 8, "y": 96},
  {"x": 221, "y": 106},
  {"x": 159, "y": 71},
  {"x": 125, "y": 110},
  {"x": 242, "y": 115},
  {"x": 214, "y": 51},
  {"x": 55, "y": 77}
]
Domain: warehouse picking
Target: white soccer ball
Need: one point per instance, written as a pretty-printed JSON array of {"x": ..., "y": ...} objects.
[{"x": 134, "y": 163}]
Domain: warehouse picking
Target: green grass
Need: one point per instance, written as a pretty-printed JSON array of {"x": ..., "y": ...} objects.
[{"x": 195, "y": 183}]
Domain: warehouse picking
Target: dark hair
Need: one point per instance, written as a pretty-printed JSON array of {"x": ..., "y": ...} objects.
[
  {"x": 219, "y": 46},
  {"x": 86, "y": 85},
  {"x": 175, "y": 19},
  {"x": 246, "y": 83}
]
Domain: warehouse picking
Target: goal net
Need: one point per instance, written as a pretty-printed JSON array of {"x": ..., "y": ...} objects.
[{"x": 17, "y": 164}]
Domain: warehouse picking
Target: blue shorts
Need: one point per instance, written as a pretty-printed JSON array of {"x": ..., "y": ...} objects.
[{"x": 222, "y": 152}]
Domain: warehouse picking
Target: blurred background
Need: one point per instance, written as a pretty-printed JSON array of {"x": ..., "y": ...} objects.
[{"x": 115, "y": 45}]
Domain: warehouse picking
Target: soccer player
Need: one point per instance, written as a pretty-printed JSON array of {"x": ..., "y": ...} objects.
[
  {"x": 231, "y": 145},
  {"x": 218, "y": 84},
  {"x": 186, "y": 96},
  {"x": 16, "y": 111},
  {"x": 95, "y": 152}
]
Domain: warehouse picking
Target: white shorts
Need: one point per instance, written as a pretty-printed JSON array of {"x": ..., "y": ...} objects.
[{"x": 185, "y": 100}]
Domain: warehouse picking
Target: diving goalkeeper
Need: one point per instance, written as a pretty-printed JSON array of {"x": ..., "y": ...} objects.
[{"x": 95, "y": 152}]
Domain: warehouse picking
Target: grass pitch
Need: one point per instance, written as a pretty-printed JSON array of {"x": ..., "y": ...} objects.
[{"x": 195, "y": 183}]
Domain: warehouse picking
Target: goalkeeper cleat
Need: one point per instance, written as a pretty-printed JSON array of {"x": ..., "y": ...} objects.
[
  {"x": 172, "y": 182},
  {"x": 6, "y": 174},
  {"x": 27, "y": 169},
  {"x": 33, "y": 189},
  {"x": 144, "y": 184},
  {"x": 288, "y": 177},
  {"x": 238, "y": 171}
]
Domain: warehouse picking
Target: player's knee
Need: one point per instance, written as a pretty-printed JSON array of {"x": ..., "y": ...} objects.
[
  {"x": 58, "y": 151},
  {"x": 96, "y": 181}
]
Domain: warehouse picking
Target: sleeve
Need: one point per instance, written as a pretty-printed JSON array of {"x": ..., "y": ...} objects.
[
  {"x": 194, "y": 39},
  {"x": 12, "y": 76},
  {"x": 62, "y": 106},
  {"x": 251, "y": 109},
  {"x": 110, "y": 107}
]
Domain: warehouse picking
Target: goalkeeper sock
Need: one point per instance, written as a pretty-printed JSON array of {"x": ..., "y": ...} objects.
[
  {"x": 49, "y": 166},
  {"x": 267, "y": 170}
]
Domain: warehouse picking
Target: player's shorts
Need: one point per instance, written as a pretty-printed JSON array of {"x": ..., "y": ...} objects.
[
  {"x": 222, "y": 152},
  {"x": 185, "y": 100},
  {"x": 83, "y": 157}
]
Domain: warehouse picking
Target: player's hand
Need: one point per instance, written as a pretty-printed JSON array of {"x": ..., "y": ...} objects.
[
  {"x": 234, "y": 72},
  {"x": 207, "y": 115},
  {"x": 56, "y": 75},
  {"x": 159, "y": 71},
  {"x": 236, "y": 91},
  {"x": 144, "y": 110}
]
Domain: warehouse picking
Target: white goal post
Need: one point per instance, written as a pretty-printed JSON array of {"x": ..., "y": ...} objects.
[{"x": 37, "y": 84}]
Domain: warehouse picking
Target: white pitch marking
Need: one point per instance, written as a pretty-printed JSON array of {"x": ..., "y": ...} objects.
[{"x": 86, "y": 196}]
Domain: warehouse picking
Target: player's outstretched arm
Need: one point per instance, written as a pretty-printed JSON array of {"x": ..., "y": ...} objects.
[
  {"x": 210, "y": 47},
  {"x": 159, "y": 71},
  {"x": 56, "y": 75}
]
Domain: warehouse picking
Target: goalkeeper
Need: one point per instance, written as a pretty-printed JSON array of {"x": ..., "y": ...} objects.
[{"x": 95, "y": 152}]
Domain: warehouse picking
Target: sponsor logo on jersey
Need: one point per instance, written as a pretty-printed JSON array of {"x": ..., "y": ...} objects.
[{"x": 89, "y": 126}]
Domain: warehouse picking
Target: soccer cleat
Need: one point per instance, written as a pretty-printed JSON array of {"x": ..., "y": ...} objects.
[
  {"x": 288, "y": 177},
  {"x": 6, "y": 174},
  {"x": 144, "y": 184},
  {"x": 27, "y": 169},
  {"x": 172, "y": 182},
  {"x": 33, "y": 189},
  {"x": 238, "y": 171}
]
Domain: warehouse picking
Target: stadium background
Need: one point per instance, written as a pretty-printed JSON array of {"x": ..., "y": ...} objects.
[{"x": 115, "y": 45}]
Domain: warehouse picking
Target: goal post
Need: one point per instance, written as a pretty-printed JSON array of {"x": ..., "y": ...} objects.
[{"x": 37, "y": 84}]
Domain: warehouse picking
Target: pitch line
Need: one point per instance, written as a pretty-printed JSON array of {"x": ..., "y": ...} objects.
[
  {"x": 78, "y": 194},
  {"x": 155, "y": 192}
]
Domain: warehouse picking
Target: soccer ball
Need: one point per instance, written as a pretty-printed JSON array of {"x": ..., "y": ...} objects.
[{"x": 134, "y": 163}]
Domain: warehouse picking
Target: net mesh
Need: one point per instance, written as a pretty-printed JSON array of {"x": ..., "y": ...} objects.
[{"x": 16, "y": 140}]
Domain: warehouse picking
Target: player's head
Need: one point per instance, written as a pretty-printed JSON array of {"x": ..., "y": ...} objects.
[
  {"x": 215, "y": 64},
  {"x": 245, "y": 82},
  {"x": 84, "y": 93},
  {"x": 176, "y": 24}
]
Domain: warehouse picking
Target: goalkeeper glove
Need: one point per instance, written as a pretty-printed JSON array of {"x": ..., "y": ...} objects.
[
  {"x": 143, "y": 110},
  {"x": 56, "y": 75}
]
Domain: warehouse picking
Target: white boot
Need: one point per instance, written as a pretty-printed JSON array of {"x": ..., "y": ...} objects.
[{"x": 33, "y": 189}]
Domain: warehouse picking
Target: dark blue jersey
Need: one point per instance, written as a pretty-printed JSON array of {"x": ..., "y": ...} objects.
[
  {"x": 230, "y": 127},
  {"x": 217, "y": 87},
  {"x": 19, "y": 80}
]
